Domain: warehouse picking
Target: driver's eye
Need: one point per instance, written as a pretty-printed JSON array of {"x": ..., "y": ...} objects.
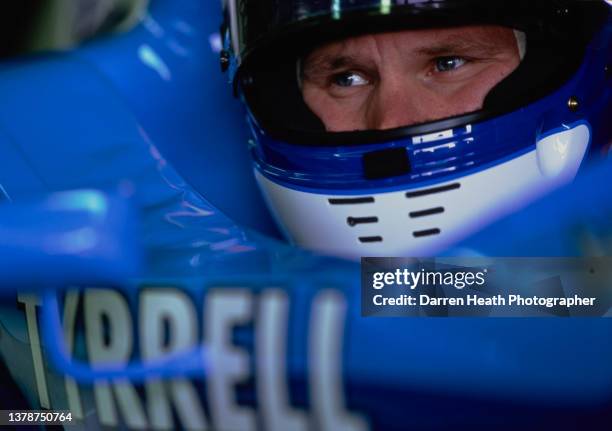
[
  {"x": 448, "y": 64},
  {"x": 349, "y": 79}
]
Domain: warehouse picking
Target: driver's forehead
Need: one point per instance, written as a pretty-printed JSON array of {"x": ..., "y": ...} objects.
[{"x": 473, "y": 40}]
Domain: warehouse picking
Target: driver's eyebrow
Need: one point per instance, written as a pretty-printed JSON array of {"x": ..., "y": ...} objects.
[
  {"x": 462, "y": 45},
  {"x": 327, "y": 62},
  {"x": 319, "y": 65}
]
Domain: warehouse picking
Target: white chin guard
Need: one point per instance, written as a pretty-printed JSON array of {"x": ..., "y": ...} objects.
[{"x": 423, "y": 220}]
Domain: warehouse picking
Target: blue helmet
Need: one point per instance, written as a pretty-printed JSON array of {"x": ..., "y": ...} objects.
[{"x": 416, "y": 188}]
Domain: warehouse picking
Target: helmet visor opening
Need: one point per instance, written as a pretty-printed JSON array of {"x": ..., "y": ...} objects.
[
  {"x": 390, "y": 80},
  {"x": 405, "y": 72}
]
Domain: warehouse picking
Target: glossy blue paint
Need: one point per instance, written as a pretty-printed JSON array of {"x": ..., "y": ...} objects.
[
  {"x": 81, "y": 237},
  {"x": 165, "y": 75},
  {"x": 103, "y": 117},
  {"x": 573, "y": 221}
]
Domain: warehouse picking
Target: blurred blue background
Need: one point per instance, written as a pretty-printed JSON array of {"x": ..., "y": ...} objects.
[{"x": 147, "y": 115}]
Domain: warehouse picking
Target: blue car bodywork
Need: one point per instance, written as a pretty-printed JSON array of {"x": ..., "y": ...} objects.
[{"x": 125, "y": 115}]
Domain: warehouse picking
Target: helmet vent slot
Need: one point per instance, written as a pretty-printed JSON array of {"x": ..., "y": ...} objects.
[
  {"x": 368, "y": 239},
  {"x": 425, "y": 213},
  {"x": 351, "y": 201},
  {"x": 354, "y": 221},
  {"x": 432, "y": 191},
  {"x": 424, "y": 233},
  {"x": 387, "y": 163}
]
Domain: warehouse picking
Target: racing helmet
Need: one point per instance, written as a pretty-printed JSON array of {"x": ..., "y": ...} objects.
[{"x": 415, "y": 188}]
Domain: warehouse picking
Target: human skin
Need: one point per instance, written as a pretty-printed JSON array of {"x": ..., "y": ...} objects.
[{"x": 389, "y": 80}]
